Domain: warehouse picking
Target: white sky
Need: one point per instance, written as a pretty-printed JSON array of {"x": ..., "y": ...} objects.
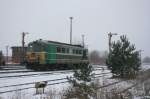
[{"x": 49, "y": 19}]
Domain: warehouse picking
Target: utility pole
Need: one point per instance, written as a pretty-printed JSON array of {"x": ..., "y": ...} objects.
[
  {"x": 23, "y": 45},
  {"x": 7, "y": 53},
  {"x": 83, "y": 40},
  {"x": 109, "y": 40},
  {"x": 140, "y": 54},
  {"x": 71, "y": 29}
]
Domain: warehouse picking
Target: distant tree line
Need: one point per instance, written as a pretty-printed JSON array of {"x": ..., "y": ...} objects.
[
  {"x": 97, "y": 57},
  {"x": 146, "y": 60}
]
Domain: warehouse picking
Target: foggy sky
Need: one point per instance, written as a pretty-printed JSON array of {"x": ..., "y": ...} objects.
[{"x": 49, "y": 19}]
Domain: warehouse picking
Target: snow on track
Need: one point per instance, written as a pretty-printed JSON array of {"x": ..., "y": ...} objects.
[{"x": 39, "y": 76}]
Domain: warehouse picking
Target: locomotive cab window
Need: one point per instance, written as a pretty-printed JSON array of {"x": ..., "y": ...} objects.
[
  {"x": 74, "y": 51},
  {"x": 30, "y": 48},
  {"x": 63, "y": 50},
  {"x": 67, "y": 50},
  {"x": 77, "y": 51},
  {"x": 80, "y": 51},
  {"x": 58, "y": 49}
]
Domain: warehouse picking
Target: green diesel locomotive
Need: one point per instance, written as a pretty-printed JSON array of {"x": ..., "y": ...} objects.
[{"x": 51, "y": 55}]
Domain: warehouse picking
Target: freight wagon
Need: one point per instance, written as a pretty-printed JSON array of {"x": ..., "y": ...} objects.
[{"x": 45, "y": 55}]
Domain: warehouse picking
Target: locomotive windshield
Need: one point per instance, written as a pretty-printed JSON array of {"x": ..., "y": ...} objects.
[
  {"x": 35, "y": 48},
  {"x": 30, "y": 48}
]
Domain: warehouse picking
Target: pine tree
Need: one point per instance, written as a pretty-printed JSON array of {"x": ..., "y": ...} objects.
[
  {"x": 123, "y": 59},
  {"x": 83, "y": 73},
  {"x": 82, "y": 88}
]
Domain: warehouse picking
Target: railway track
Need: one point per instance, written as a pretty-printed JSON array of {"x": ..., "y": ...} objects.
[
  {"x": 13, "y": 67},
  {"x": 29, "y": 73},
  {"x": 97, "y": 75},
  {"x": 62, "y": 80},
  {"x": 23, "y": 69},
  {"x": 38, "y": 73}
]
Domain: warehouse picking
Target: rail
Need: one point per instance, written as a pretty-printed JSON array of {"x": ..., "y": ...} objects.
[
  {"x": 25, "y": 75},
  {"x": 100, "y": 75},
  {"x": 46, "y": 80}
]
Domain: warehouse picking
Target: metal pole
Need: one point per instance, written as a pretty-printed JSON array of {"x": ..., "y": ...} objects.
[
  {"x": 23, "y": 45},
  {"x": 7, "y": 53},
  {"x": 140, "y": 54},
  {"x": 71, "y": 29},
  {"x": 109, "y": 40},
  {"x": 23, "y": 35},
  {"x": 83, "y": 40}
]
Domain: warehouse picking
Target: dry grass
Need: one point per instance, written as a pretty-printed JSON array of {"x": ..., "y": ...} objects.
[
  {"x": 18, "y": 95},
  {"x": 102, "y": 93},
  {"x": 54, "y": 94}
]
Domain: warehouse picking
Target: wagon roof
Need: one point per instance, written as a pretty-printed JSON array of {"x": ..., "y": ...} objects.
[{"x": 55, "y": 42}]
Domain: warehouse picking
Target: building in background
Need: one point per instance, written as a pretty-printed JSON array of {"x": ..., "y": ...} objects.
[
  {"x": 17, "y": 54},
  {"x": 2, "y": 60}
]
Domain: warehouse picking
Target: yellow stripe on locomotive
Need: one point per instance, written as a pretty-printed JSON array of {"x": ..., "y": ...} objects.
[{"x": 36, "y": 57}]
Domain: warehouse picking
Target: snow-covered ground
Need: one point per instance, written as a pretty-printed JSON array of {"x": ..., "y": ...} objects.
[
  {"x": 5, "y": 83},
  {"x": 145, "y": 66},
  {"x": 30, "y": 93}
]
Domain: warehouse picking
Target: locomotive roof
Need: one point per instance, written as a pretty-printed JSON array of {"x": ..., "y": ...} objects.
[{"x": 55, "y": 42}]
